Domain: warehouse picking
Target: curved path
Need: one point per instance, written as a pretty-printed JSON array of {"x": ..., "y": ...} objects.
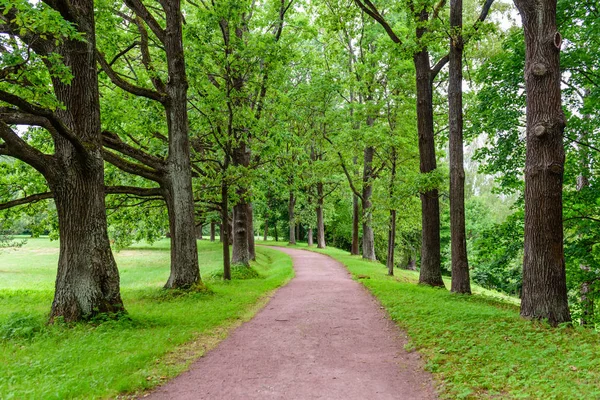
[{"x": 323, "y": 336}]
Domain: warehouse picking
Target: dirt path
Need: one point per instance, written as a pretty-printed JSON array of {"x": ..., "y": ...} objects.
[{"x": 322, "y": 336}]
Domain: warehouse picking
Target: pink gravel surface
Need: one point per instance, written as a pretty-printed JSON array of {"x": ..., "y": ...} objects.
[{"x": 322, "y": 336}]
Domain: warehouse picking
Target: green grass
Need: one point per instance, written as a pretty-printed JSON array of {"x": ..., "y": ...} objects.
[
  {"x": 477, "y": 346},
  {"x": 161, "y": 336}
]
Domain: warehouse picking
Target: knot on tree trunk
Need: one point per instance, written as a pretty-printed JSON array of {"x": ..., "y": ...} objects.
[
  {"x": 540, "y": 131},
  {"x": 555, "y": 168},
  {"x": 557, "y": 40},
  {"x": 539, "y": 69}
]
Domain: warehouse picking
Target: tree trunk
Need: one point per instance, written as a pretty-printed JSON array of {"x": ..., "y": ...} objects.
[
  {"x": 298, "y": 232},
  {"x": 544, "y": 293},
  {"x": 224, "y": 231},
  {"x": 251, "y": 247},
  {"x": 212, "y": 231},
  {"x": 240, "y": 253},
  {"x": 185, "y": 272},
  {"x": 355, "y": 229},
  {"x": 266, "y": 234},
  {"x": 431, "y": 273},
  {"x": 221, "y": 231},
  {"x": 320, "y": 221},
  {"x": 392, "y": 226},
  {"x": 391, "y": 243},
  {"x": 291, "y": 219},
  {"x": 368, "y": 238},
  {"x": 461, "y": 282},
  {"x": 309, "y": 237},
  {"x": 87, "y": 281},
  {"x": 241, "y": 231},
  {"x": 199, "y": 229},
  {"x": 276, "y": 233}
]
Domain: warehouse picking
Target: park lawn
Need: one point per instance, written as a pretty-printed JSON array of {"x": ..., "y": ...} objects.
[
  {"x": 477, "y": 346},
  {"x": 162, "y": 334}
]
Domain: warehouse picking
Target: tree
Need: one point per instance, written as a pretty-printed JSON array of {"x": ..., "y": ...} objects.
[
  {"x": 173, "y": 174},
  {"x": 53, "y": 44},
  {"x": 461, "y": 282},
  {"x": 544, "y": 293}
]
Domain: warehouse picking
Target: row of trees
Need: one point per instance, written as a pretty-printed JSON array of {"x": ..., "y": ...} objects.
[{"x": 247, "y": 113}]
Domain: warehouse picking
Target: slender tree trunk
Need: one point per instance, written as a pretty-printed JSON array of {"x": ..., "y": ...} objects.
[
  {"x": 212, "y": 231},
  {"x": 221, "y": 231},
  {"x": 87, "y": 281},
  {"x": 276, "y": 232},
  {"x": 392, "y": 226},
  {"x": 224, "y": 231},
  {"x": 461, "y": 282},
  {"x": 431, "y": 273},
  {"x": 251, "y": 247},
  {"x": 367, "y": 192},
  {"x": 298, "y": 237},
  {"x": 320, "y": 221},
  {"x": 310, "y": 237},
  {"x": 292, "y": 221},
  {"x": 355, "y": 228},
  {"x": 266, "y": 234},
  {"x": 391, "y": 243},
  {"x": 199, "y": 229},
  {"x": 185, "y": 272},
  {"x": 544, "y": 294}
]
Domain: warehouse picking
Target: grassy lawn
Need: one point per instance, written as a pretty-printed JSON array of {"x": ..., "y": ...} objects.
[
  {"x": 162, "y": 335},
  {"x": 477, "y": 346}
]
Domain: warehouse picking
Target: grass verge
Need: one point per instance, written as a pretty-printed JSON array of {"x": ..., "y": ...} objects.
[
  {"x": 160, "y": 337},
  {"x": 477, "y": 346}
]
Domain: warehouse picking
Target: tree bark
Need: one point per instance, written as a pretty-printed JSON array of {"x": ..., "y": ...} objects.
[
  {"x": 320, "y": 221},
  {"x": 251, "y": 247},
  {"x": 309, "y": 237},
  {"x": 291, "y": 219},
  {"x": 241, "y": 249},
  {"x": 355, "y": 228},
  {"x": 461, "y": 282},
  {"x": 240, "y": 253},
  {"x": 430, "y": 273},
  {"x": 185, "y": 272},
  {"x": 266, "y": 231},
  {"x": 221, "y": 233},
  {"x": 212, "y": 231},
  {"x": 368, "y": 238},
  {"x": 224, "y": 231},
  {"x": 391, "y": 243},
  {"x": 544, "y": 293},
  {"x": 87, "y": 282}
]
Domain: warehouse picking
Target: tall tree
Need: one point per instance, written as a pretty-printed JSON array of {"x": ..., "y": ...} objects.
[
  {"x": 460, "y": 264},
  {"x": 544, "y": 294},
  {"x": 173, "y": 174},
  {"x": 87, "y": 282}
]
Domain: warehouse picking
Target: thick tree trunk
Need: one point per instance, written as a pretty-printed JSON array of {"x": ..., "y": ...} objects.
[
  {"x": 544, "y": 294},
  {"x": 461, "y": 282},
  {"x": 87, "y": 282},
  {"x": 431, "y": 273},
  {"x": 251, "y": 247},
  {"x": 291, "y": 219},
  {"x": 240, "y": 253},
  {"x": 391, "y": 243},
  {"x": 241, "y": 230},
  {"x": 309, "y": 237},
  {"x": 224, "y": 231},
  {"x": 212, "y": 231},
  {"x": 368, "y": 238},
  {"x": 355, "y": 251},
  {"x": 320, "y": 221},
  {"x": 185, "y": 272}
]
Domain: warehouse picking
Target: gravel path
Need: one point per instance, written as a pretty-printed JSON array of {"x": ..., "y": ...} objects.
[{"x": 323, "y": 336}]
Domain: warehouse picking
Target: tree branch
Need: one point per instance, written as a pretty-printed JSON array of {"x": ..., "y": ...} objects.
[
  {"x": 369, "y": 8},
  {"x": 113, "y": 141},
  {"x": 126, "y": 86},
  {"x": 34, "y": 198},
  {"x": 141, "y": 11},
  {"x": 16, "y": 147},
  {"x": 132, "y": 168}
]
